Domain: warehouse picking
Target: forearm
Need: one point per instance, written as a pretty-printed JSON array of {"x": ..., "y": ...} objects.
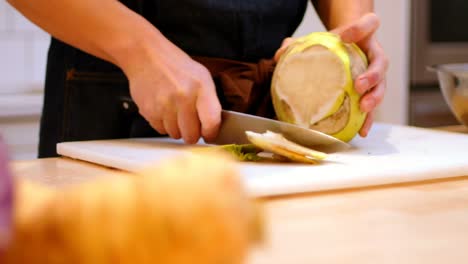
[
  {"x": 335, "y": 13},
  {"x": 106, "y": 29}
]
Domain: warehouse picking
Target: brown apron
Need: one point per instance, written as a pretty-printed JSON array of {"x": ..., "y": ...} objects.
[{"x": 242, "y": 86}]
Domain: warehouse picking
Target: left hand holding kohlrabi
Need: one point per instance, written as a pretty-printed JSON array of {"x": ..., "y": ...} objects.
[{"x": 368, "y": 81}]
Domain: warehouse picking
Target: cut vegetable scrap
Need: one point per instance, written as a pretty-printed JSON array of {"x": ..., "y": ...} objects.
[
  {"x": 268, "y": 146},
  {"x": 242, "y": 152},
  {"x": 279, "y": 145}
]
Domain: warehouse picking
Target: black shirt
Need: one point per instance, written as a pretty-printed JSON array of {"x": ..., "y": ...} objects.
[{"x": 244, "y": 30}]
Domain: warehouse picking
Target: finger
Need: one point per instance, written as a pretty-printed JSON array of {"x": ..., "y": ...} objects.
[
  {"x": 364, "y": 131},
  {"x": 375, "y": 73},
  {"x": 151, "y": 112},
  {"x": 158, "y": 125},
  {"x": 362, "y": 29},
  {"x": 284, "y": 45},
  {"x": 286, "y": 42},
  {"x": 373, "y": 98},
  {"x": 209, "y": 111},
  {"x": 170, "y": 123},
  {"x": 189, "y": 123}
]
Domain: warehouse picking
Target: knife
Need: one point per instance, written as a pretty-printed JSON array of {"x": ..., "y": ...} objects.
[{"x": 234, "y": 125}]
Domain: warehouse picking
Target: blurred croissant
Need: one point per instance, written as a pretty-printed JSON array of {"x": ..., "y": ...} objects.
[{"x": 186, "y": 209}]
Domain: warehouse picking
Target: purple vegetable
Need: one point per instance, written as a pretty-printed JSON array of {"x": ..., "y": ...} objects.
[{"x": 6, "y": 196}]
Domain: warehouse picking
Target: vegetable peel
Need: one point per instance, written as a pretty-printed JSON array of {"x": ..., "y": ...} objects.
[{"x": 279, "y": 145}]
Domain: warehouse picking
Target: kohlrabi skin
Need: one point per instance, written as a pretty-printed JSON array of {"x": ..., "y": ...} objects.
[
  {"x": 6, "y": 197},
  {"x": 313, "y": 85}
]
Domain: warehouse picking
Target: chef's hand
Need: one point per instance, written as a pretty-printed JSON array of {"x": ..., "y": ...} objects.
[
  {"x": 371, "y": 83},
  {"x": 174, "y": 93}
]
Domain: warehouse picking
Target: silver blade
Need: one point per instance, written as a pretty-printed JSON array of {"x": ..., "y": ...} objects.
[{"x": 234, "y": 125}]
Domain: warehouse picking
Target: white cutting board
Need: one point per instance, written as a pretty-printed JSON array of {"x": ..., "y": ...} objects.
[{"x": 390, "y": 154}]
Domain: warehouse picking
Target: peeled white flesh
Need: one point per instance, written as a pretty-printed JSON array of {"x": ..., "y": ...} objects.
[{"x": 316, "y": 76}]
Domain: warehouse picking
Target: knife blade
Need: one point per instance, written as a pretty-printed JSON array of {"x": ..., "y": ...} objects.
[{"x": 234, "y": 124}]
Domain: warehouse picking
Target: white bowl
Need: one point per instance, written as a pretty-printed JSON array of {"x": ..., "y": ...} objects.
[{"x": 453, "y": 82}]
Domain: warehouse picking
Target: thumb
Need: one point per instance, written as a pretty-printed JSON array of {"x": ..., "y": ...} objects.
[
  {"x": 284, "y": 46},
  {"x": 363, "y": 28}
]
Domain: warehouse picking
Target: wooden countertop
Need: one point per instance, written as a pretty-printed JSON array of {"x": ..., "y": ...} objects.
[{"x": 425, "y": 222}]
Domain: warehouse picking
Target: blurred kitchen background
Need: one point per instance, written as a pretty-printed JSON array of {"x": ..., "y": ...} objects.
[{"x": 414, "y": 33}]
